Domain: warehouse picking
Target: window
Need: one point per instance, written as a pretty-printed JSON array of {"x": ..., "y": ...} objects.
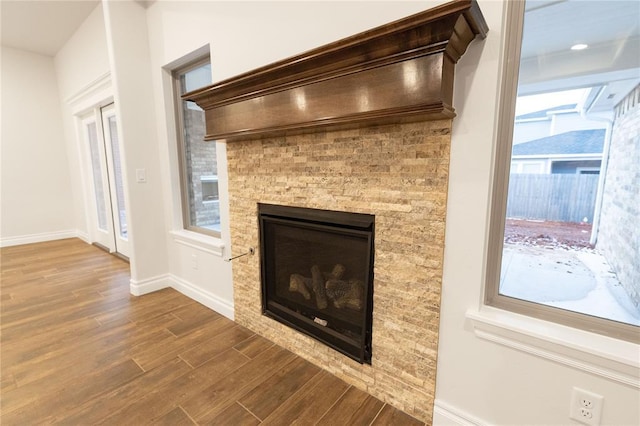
[
  {"x": 198, "y": 164},
  {"x": 527, "y": 166},
  {"x": 209, "y": 189},
  {"x": 564, "y": 239}
]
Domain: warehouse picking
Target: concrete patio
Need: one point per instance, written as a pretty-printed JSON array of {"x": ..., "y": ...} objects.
[{"x": 577, "y": 280}]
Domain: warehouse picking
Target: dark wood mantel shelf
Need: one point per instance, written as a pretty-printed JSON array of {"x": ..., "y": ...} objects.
[{"x": 401, "y": 71}]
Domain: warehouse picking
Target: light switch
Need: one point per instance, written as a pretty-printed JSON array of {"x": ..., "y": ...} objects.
[{"x": 141, "y": 175}]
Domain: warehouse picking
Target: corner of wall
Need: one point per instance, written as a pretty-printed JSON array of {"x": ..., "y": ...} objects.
[{"x": 208, "y": 299}]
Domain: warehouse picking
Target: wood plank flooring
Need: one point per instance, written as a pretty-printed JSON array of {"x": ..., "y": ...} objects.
[{"x": 78, "y": 349}]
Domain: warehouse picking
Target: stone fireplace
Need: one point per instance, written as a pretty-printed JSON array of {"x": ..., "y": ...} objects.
[
  {"x": 397, "y": 173},
  {"x": 361, "y": 126}
]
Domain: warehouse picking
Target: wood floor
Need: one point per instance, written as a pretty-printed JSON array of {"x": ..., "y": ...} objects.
[{"x": 78, "y": 349}]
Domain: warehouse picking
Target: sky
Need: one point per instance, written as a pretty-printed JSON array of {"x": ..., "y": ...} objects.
[{"x": 532, "y": 103}]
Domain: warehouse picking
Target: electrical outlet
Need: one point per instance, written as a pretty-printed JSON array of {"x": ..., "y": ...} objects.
[
  {"x": 586, "y": 403},
  {"x": 586, "y": 407},
  {"x": 586, "y": 413},
  {"x": 194, "y": 261}
]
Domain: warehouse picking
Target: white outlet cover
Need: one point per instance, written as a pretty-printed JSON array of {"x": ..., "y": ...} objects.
[
  {"x": 141, "y": 175},
  {"x": 586, "y": 407}
]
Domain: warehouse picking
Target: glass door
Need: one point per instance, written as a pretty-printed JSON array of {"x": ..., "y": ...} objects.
[
  {"x": 101, "y": 228},
  {"x": 116, "y": 181},
  {"x": 108, "y": 221}
]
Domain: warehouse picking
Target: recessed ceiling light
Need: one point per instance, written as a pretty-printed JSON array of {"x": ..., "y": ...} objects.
[{"x": 579, "y": 46}]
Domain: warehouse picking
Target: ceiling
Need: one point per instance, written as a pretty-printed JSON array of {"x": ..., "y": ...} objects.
[
  {"x": 611, "y": 63},
  {"x": 42, "y": 26},
  {"x": 557, "y": 25}
]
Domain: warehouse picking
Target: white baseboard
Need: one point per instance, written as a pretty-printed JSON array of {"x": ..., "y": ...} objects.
[
  {"x": 208, "y": 299},
  {"x": 447, "y": 415},
  {"x": 39, "y": 238},
  {"x": 149, "y": 285},
  {"x": 83, "y": 236}
]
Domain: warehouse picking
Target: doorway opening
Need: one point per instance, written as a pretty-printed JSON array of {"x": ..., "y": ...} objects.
[{"x": 108, "y": 215}]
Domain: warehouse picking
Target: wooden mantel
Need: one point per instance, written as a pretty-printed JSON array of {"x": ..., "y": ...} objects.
[{"x": 401, "y": 71}]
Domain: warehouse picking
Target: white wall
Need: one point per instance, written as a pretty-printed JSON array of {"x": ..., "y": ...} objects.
[
  {"x": 36, "y": 202},
  {"x": 84, "y": 56},
  {"x": 479, "y": 380},
  {"x": 128, "y": 49},
  {"x": 81, "y": 61}
]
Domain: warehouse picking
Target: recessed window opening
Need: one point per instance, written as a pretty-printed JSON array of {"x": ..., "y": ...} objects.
[
  {"x": 198, "y": 160},
  {"x": 564, "y": 219}
]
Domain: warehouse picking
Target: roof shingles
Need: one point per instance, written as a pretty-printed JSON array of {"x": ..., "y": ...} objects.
[{"x": 574, "y": 142}]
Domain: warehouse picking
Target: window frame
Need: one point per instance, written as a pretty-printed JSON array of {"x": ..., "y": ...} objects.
[
  {"x": 514, "y": 27},
  {"x": 181, "y": 142}
]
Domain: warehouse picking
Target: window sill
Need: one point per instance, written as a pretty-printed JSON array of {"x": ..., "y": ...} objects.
[
  {"x": 204, "y": 243},
  {"x": 613, "y": 359}
]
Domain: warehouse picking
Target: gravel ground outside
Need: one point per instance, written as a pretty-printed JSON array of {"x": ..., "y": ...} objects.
[{"x": 566, "y": 235}]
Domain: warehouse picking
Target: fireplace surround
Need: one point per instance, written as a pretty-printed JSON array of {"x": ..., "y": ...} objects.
[
  {"x": 397, "y": 173},
  {"x": 361, "y": 125},
  {"x": 317, "y": 274}
]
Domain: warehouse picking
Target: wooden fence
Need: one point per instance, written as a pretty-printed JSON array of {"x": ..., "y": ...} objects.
[{"x": 559, "y": 197}]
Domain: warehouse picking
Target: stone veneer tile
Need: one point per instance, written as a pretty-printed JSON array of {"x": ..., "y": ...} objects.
[{"x": 399, "y": 174}]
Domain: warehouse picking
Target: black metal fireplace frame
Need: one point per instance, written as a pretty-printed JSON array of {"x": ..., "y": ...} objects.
[{"x": 355, "y": 224}]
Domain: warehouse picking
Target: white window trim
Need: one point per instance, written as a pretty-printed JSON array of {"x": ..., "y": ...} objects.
[
  {"x": 611, "y": 358},
  {"x": 202, "y": 242}
]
